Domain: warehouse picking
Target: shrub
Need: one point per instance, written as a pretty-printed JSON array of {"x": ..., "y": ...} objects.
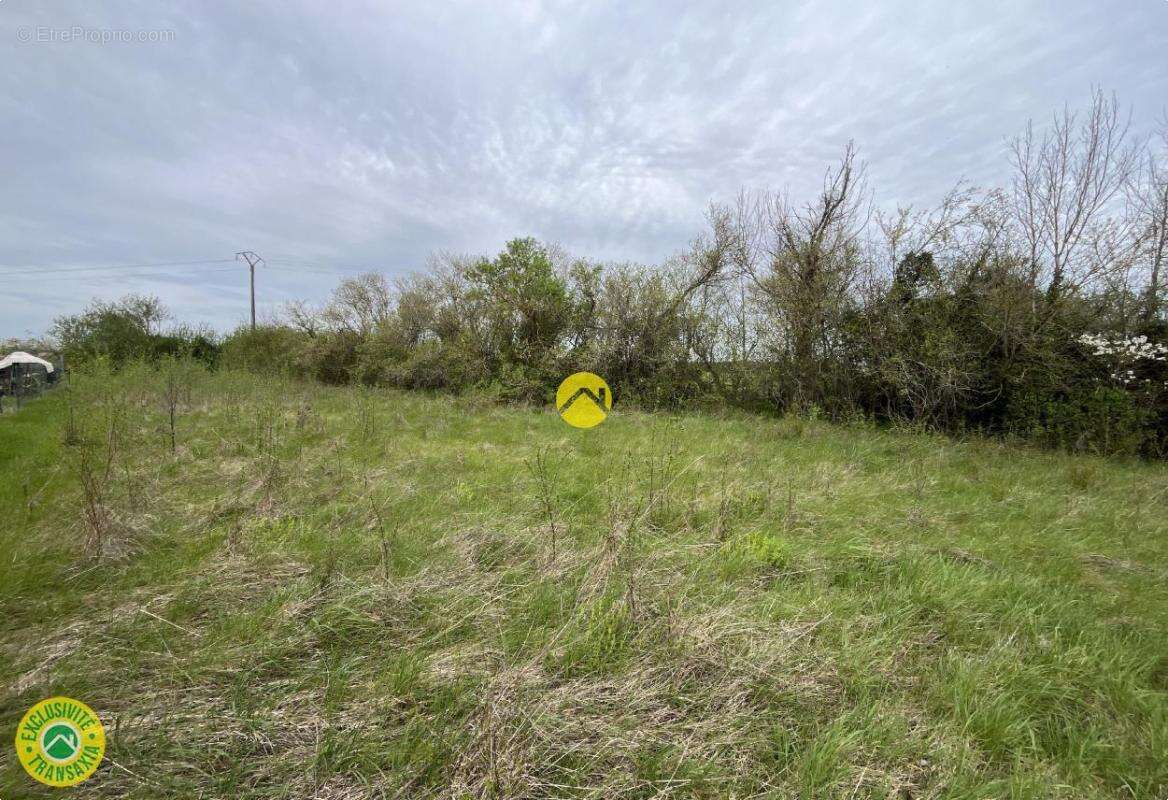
[
  {"x": 1100, "y": 419},
  {"x": 264, "y": 349},
  {"x": 330, "y": 357},
  {"x": 127, "y": 330}
]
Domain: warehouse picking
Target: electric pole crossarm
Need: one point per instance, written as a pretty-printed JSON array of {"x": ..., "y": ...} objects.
[{"x": 252, "y": 260}]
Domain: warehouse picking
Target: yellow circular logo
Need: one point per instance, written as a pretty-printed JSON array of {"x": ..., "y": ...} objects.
[
  {"x": 60, "y": 741},
  {"x": 583, "y": 400}
]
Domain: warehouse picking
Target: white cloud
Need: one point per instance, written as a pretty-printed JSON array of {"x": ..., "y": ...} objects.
[{"x": 368, "y": 135}]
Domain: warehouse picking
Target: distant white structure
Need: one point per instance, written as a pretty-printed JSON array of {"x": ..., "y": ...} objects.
[{"x": 21, "y": 357}]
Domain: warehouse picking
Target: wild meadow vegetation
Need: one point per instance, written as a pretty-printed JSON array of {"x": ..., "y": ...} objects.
[{"x": 272, "y": 588}]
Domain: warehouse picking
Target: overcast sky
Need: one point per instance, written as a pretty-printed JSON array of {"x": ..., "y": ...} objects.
[{"x": 335, "y": 137}]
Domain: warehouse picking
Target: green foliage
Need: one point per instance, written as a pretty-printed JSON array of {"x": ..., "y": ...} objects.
[
  {"x": 528, "y": 302},
  {"x": 266, "y": 349},
  {"x": 971, "y": 347},
  {"x": 1097, "y": 419},
  {"x": 945, "y": 344},
  {"x": 129, "y": 329},
  {"x": 330, "y": 357}
]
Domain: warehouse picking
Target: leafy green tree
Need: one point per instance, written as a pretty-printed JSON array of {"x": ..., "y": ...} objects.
[
  {"x": 528, "y": 302},
  {"x": 121, "y": 330}
]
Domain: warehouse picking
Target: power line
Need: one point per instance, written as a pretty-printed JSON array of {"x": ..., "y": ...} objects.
[
  {"x": 53, "y": 270},
  {"x": 300, "y": 261},
  {"x": 301, "y": 268},
  {"x": 286, "y": 264},
  {"x": 334, "y": 269},
  {"x": 116, "y": 275},
  {"x": 291, "y": 257}
]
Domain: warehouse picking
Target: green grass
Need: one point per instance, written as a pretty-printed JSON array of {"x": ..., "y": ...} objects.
[{"x": 345, "y": 593}]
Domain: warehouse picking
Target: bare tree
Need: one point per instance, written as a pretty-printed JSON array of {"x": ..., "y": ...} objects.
[
  {"x": 359, "y": 304},
  {"x": 177, "y": 381},
  {"x": 909, "y": 232},
  {"x": 804, "y": 260},
  {"x": 706, "y": 261},
  {"x": 718, "y": 327},
  {"x": 1148, "y": 206},
  {"x": 146, "y": 310},
  {"x": 1065, "y": 181},
  {"x": 303, "y": 317}
]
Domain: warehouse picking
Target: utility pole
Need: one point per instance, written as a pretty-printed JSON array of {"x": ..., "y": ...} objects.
[{"x": 252, "y": 259}]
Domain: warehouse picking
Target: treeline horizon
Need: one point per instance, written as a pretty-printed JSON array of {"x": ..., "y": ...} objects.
[{"x": 1035, "y": 310}]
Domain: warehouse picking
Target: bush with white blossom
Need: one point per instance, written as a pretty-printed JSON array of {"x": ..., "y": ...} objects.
[{"x": 1126, "y": 353}]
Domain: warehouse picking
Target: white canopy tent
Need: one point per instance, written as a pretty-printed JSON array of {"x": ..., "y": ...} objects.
[{"x": 21, "y": 357}]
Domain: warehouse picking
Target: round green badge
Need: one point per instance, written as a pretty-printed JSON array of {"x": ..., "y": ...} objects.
[{"x": 60, "y": 741}]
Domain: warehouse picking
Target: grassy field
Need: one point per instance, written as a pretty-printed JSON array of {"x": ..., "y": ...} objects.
[{"x": 347, "y": 593}]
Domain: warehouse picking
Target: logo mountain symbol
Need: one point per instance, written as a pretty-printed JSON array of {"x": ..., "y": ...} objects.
[
  {"x": 583, "y": 400},
  {"x": 597, "y": 397},
  {"x": 61, "y": 742}
]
